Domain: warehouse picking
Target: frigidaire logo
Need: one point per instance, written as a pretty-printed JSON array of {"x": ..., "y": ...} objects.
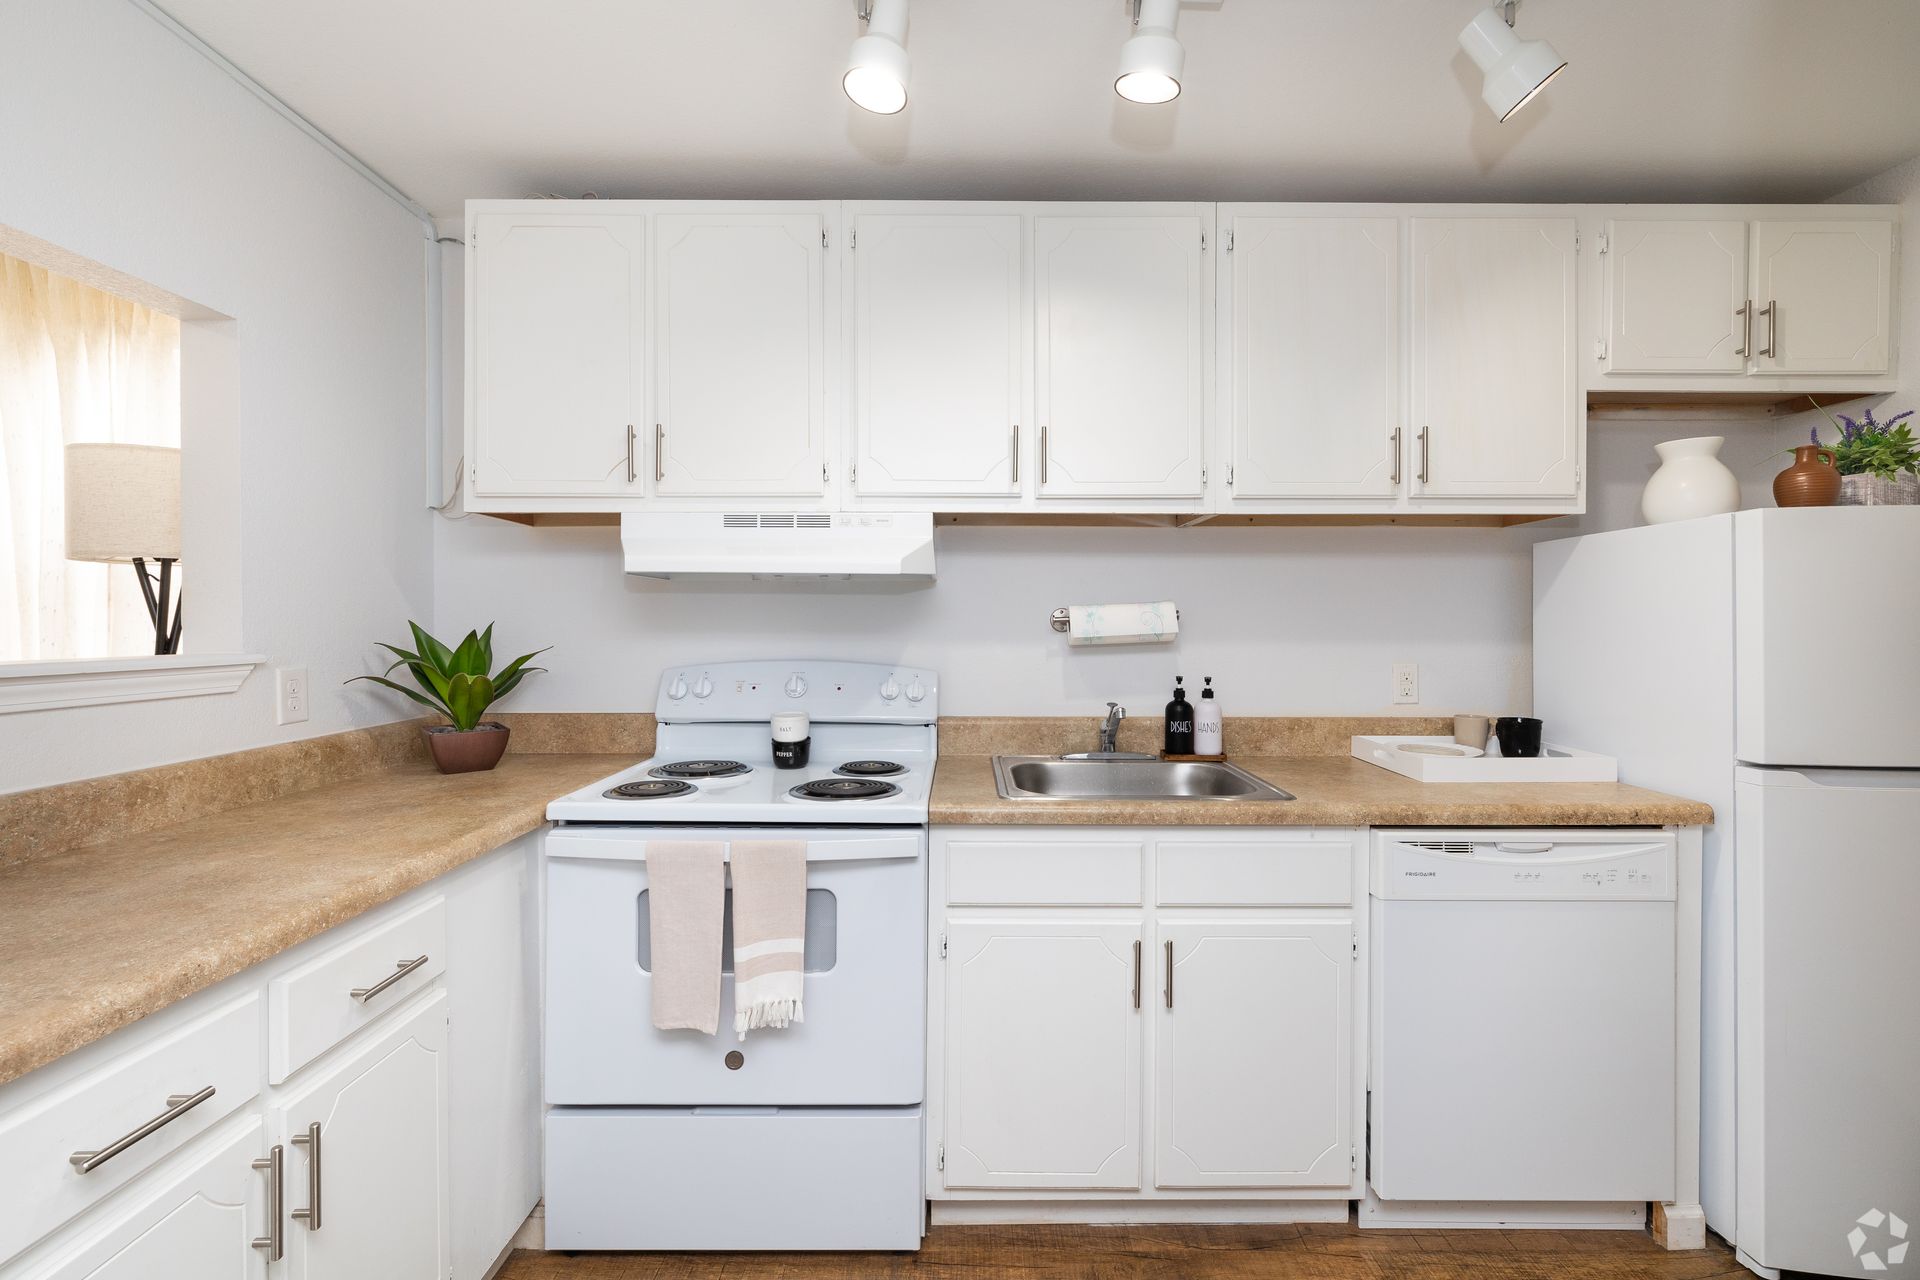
[
  {"x": 1889, "y": 1238},
  {"x": 1420, "y": 875}
]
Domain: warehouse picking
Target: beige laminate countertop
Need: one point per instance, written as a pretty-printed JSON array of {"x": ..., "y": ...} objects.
[
  {"x": 100, "y": 936},
  {"x": 1329, "y": 791}
]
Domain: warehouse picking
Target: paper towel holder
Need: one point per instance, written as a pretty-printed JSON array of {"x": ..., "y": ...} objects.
[{"x": 1060, "y": 619}]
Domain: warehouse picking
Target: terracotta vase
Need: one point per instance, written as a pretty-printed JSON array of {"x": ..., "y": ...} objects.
[
  {"x": 1810, "y": 482},
  {"x": 469, "y": 751}
]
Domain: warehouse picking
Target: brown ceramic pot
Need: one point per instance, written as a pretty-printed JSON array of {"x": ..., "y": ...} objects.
[
  {"x": 467, "y": 752},
  {"x": 1810, "y": 482}
]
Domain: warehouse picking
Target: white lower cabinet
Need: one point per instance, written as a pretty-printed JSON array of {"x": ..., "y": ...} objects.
[
  {"x": 371, "y": 1178},
  {"x": 198, "y": 1223},
  {"x": 1221, "y": 1015},
  {"x": 1253, "y": 1054},
  {"x": 1044, "y": 1071}
]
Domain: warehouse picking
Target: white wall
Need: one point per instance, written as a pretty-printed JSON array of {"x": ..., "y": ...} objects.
[
  {"x": 1287, "y": 621},
  {"x": 123, "y": 145}
]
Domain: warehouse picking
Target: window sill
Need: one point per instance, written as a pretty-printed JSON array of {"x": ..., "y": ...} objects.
[{"x": 92, "y": 682}]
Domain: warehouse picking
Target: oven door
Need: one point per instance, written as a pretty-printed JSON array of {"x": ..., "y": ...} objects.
[{"x": 863, "y": 1041}]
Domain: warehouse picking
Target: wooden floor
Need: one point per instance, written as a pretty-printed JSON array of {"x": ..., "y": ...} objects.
[{"x": 1305, "y": 1252}]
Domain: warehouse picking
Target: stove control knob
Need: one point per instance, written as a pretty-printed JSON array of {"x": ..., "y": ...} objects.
[
  {"x": 678, "y": 689},
  {"x": 796, "y": 685},
  {"x": 916, "y": 690},
  {"x": 703, "y": 688},
  {"x": 889, "y": 689}
]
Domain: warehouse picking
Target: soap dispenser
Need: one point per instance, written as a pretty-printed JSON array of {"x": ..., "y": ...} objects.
[
  {"x": 1207, "y": 739},
  {"x": 1179, "y": 740}
]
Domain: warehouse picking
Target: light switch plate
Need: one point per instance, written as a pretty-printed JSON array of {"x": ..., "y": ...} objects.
[{"x": 290, "y": 697}]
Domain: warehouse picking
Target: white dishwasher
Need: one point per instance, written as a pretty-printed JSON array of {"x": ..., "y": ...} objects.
[{"x": 1522, "y": 1016}]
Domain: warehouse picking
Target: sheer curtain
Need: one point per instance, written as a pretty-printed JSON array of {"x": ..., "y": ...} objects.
[{"x": 76, "y": 366}]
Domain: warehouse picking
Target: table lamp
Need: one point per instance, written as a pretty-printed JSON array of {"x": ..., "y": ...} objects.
[{"x": 123, "y": 506}]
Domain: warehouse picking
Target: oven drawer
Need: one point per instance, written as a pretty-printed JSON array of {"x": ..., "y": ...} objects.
[
  {"x": 863, "y": 1042},
  {"x": 694, "y": 1179}
]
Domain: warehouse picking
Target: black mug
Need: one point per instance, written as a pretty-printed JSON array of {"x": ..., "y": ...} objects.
[{"x": 1519, "y": 736}]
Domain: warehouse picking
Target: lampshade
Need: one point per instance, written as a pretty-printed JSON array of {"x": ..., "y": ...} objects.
[
  {"x": 1514, "y": 70},
  {"x": 123, "y": 501}
]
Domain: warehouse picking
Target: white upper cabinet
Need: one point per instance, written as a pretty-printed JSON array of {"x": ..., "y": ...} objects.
[
  {"x": 739, "y": 354},
  {"x": 1253, "y": 1053},
  {"x": 1496, "y": 411},
  {"x": 938, "y": 327},
  {"x": 1316, "y": 392},
  {"x": 556, "y": 353},
  {"x": 1822, "y": 289},
  {"x": 1677, "y": 296},
  {"x": 1120, "y": 307},
  {"x": 1044, "y": 1061}
]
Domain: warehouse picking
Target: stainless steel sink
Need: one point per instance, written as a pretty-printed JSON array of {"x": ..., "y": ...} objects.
[{"x": 1061, "y": 778}]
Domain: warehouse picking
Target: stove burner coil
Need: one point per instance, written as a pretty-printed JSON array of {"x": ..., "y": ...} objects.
[
  {"x": 660, "y": 789},
  {"x": 844, "y": 789},
  {"x": 699, "y": 769},
  {"x": 870, "y": 769}
]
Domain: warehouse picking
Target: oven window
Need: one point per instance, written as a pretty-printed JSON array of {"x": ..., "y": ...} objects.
[{"x": 823, "y": 935}]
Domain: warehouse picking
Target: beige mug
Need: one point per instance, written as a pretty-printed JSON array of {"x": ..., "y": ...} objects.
[{"x": 1471, "y": 731}]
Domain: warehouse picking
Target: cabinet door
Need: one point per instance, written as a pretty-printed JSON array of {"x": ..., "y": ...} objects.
[
  {"x": 557, "y": 353},
  {"x": 1316, "y": 357},
  {"x": 740, "y": 353},
  {"x": 1828, "y": 284},
  {"x": 939, "y": 353},
  {"x": 1677, "y": 296},
  {"x": 382, "y": 1161},
  {"x": 1119, "y": 372},
  {"x": 1043, "y": 1054},
  {"x": 1494, "y": 380},
  {"x": 1253, "y": 1079},
  {"x": 197, "y": 1222}
]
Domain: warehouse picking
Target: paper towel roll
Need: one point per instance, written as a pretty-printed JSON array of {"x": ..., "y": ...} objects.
[{"x": 1147, "y": 622}]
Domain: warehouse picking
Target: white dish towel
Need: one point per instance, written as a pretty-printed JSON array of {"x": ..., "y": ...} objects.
[
  {"x": 686, "y": 912},
  {"x": 769, "y": 932}
]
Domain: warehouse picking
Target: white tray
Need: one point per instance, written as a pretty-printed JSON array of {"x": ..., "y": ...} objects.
[{"x": 1553, "y": 764}]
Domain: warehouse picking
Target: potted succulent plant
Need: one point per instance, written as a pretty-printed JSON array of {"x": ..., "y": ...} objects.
[
  {"x": 1879, "y": 462},
  {"x": 459, "y": 684}
]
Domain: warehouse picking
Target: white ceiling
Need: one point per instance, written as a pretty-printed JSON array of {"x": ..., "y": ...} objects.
[{"x": 1285, "y": 99}]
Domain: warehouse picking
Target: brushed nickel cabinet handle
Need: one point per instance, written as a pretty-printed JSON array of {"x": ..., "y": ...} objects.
[
  {"x": 1016, "y": 453},
  {"x": 1136, "y": 973},
  {"x": 659, "y": 453},
  {"x": 1426, "y": 455},
  {"x": 632, "y": 474},
  {"x": 275, "y": 1241},
  {"x": 311, "y": 1141},
  {"x": 401, "y": 970},
  {"x": 1169, "y": 973},
  {"x": 1745, "y": 312},
  {"x": 1395, "y": 456},
  {"x": 178, "y": 1104},
  {"x": 1772, "y": 312},
  {"x": 1043, "y": 453}
]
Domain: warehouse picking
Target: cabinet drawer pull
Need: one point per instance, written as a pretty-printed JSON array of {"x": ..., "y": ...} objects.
[
  {"x": 1043, "y": 453},
  {"x": 1772, "y": 312},
  {"x": 311, "y": 1141},
  {"x": 659, "y": 453},
  {"x": 1169, "y": 973},
  {"x": 275, "y": 1241},
  {"x": 632, "y": 474},
  {"x": 178, "y": 1104},
  {"x": 402, "y": 969},
  {"x": 1745, "y": 312},
  {"x": 1426, "y": 455},
  {"x": 1016, "y": 453},
  {"x": 1394, "y": 455},
  {"x": 1136, "y": 973}
]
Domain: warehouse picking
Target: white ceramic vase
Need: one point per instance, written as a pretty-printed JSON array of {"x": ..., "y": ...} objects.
[{"x": 1691, "y": 482}]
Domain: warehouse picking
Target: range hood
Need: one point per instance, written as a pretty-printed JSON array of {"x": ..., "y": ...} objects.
[{"x": 784, "y": 544}]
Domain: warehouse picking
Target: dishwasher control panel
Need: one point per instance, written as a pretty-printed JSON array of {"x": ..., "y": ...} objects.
[{"x": 1451, "y": 865}]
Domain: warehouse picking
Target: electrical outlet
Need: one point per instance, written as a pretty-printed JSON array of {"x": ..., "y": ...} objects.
[
  {"x": 291, "y": 700},
  {"x": 1406, "y": 682}
]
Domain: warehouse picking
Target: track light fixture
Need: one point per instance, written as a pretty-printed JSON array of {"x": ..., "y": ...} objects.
[
  {"x": 877, "y": 68},
  {"x": 1514, "y": 69},
  {"x": 1151, "y": 60}
]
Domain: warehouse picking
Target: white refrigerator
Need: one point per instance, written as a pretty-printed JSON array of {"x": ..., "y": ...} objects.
[{"x": 1768, "y": 663}]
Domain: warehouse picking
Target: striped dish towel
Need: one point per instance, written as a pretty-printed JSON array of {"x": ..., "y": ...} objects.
[{"x": 769, "y": 932}]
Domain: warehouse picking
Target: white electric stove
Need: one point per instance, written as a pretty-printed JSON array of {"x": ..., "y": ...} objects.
[{"x": 805, "y": 1137}]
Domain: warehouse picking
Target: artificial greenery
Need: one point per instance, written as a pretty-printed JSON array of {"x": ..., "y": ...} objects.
[
  {"x": 1869, "y": 448},
  {"x": 456, "y": 682}
]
